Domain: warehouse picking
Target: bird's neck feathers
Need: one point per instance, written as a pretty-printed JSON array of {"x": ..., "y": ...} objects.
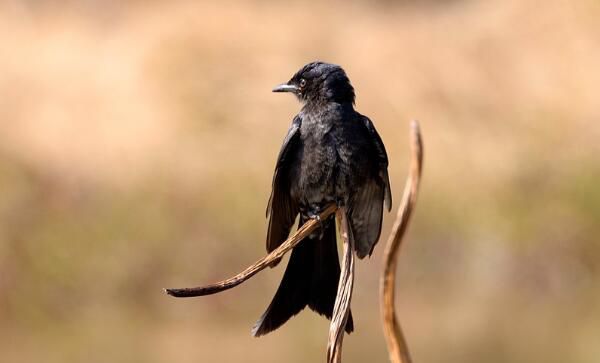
[
  {"x": 325, "y": 109},
  {"x": 340, "y": 96}
]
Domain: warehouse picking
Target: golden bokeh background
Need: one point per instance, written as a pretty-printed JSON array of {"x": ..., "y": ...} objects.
[{"x": 137, "y": 145}]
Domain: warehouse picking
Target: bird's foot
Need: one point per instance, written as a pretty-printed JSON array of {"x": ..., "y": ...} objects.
[{"x": 317, "y": 217}]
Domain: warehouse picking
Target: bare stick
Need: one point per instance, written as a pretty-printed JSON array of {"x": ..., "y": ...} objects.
[
  {"x": 397, "y": 347},
  {"x": 306, "y": 229},
  {"x": 341, "y": 308}
]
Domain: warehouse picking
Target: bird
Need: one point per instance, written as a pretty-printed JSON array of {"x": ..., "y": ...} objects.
[{"x": 331, "y": 154}]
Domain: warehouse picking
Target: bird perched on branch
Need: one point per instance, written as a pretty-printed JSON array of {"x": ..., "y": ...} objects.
[{"x": 331, "y": 154}]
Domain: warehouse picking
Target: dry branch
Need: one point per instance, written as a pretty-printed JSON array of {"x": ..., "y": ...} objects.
[
  {"x": 341, "y": 309},
  {"x": 306, "y": 229},
  {"x": 397, "y": 347},
  {"x": 396, "y": 344}
]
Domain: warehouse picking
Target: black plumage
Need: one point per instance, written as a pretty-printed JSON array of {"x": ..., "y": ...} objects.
[{"x": 331, "y": 154}]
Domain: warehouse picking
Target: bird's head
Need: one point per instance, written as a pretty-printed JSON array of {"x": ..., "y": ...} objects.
[{"x": 319, "y": 82}]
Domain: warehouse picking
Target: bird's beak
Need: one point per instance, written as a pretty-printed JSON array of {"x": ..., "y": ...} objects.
[{"x": 285, "y": 88}]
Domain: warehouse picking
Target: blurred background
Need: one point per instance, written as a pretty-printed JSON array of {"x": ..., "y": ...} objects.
[{"x": 122, "y": 125}]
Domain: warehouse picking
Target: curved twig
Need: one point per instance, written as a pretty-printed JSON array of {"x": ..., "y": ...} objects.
[
  {"x": 341, "y": 309},
  {"x": 306, "y": 229},
  {"x": 397, "y": 347}
]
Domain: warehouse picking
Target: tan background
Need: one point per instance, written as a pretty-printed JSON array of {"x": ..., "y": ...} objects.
[{"x": 137, "y": 143}]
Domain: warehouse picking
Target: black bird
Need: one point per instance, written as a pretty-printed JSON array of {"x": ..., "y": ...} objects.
[{"x": 331, "y": 154}]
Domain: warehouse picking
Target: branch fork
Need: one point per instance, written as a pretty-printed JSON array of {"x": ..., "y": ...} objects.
[{"x": 397, "y": 347}]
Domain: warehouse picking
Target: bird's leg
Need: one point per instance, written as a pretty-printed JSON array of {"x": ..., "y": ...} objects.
[{"x": 314, "y": 214}]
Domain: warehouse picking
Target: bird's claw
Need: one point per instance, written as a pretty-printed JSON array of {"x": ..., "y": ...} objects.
[{"x": 317, "y": 217}]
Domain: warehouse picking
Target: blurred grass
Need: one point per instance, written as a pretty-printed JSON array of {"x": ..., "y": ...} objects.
[{"x": 137, "y": 141}]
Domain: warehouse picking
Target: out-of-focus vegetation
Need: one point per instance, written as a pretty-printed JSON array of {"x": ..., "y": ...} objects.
[{"x": 137, "y": 143}]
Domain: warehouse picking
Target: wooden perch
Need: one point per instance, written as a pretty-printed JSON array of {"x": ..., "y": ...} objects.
[
  {"x": 306, "y": 229},
  {"x": 341, "y": 309},
  {"x": 397, "y": 347},
  {"x": 396, "y": 343}
]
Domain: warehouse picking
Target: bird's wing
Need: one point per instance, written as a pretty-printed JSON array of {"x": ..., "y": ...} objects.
[
  {"x": 366, "y": 206},
  {"x": 281, "y": 208},
  {"x": 382, "y": 161}
]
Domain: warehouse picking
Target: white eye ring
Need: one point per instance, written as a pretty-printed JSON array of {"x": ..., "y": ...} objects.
[{"x": 302, "y": 82}]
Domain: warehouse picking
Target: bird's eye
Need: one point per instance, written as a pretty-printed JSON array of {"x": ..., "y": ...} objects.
[{"x": 302, "y": 82}]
